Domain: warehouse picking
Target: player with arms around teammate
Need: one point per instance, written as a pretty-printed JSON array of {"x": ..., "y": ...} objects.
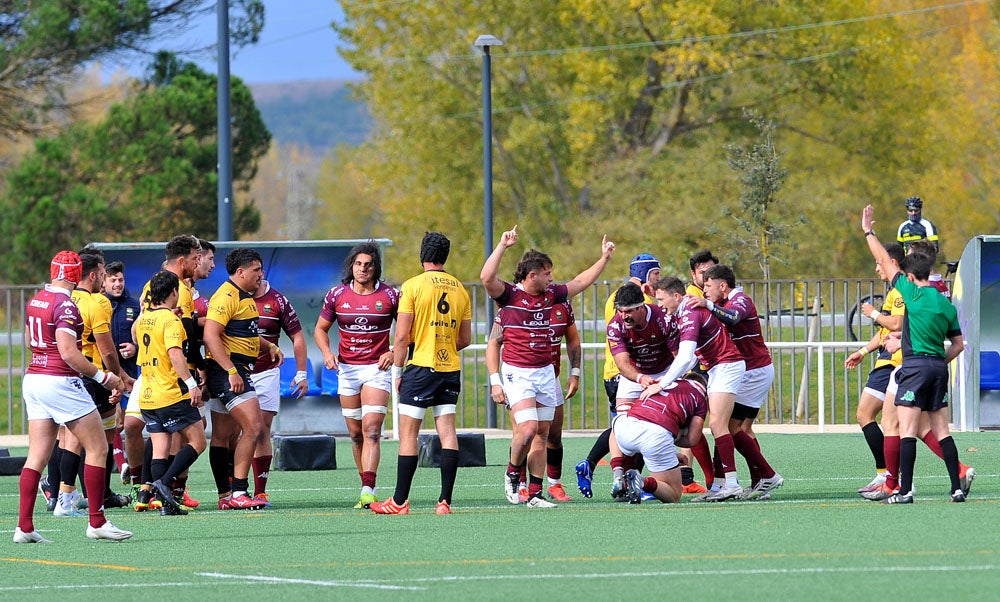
[
  {"x": 734, "y": 308},
  {"x": 528, "y": 379},
  {"x": 363, "y": 307},
  {"x": 233, "y": 343},
  {"x": 170, "y": 396},
  {"x": 703, "y": 338},
  {"x": 54, "y": 395},
  {"x": 434, "y": 323}
]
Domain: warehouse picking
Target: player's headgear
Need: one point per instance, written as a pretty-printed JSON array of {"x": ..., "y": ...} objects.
[
  {"x": 66, "y": 265},
  {"x": 914, "y": 202},
  {"x": 435, "y": 248},
  {"x": 642, "y": 265}
]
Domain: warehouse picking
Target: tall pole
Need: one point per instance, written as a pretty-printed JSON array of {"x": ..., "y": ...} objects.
[
  {"x": 484, "y": 42},
  {"x": 225, "y": 137}
]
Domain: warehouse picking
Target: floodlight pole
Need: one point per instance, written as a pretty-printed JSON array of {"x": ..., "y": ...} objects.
[
  {"x": 484, "y": 42},
  {"x": 225, "y": 138}
]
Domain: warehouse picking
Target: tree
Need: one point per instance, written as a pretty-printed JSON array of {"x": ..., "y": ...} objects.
[
  {"x": 145, "y": 172},
  {"x": 615, "y": 117},
  {"x": 760, "y": 229},
  {"x": 44, "y": 43}
]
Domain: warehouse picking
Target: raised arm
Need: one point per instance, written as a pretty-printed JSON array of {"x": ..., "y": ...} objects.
[
  {"x": 588, "y": 276},
  {"x": 875, "y": 246},
  {"x": 493, "y": 284}
]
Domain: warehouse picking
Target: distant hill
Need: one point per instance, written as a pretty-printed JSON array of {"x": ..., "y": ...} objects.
[{"x": 319, "y": 114}]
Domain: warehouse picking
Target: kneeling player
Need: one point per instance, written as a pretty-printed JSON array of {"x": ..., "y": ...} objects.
[{"x": 653, "y": 427}]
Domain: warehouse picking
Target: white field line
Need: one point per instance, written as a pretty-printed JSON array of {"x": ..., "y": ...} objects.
[
  {"x": 286, "y": 581},
  {"x": 701, "y": 573},
  {"x": 388, "y": 584}
]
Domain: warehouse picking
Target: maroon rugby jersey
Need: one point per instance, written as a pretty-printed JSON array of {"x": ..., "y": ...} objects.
[
  {"x": 674, "y": 407},
  {"x": 50, "y": 310},
  {"x": 562, "y": 318},
  {"x": 651, "y": 349},
  {"x": 363, "y": 321},
  {"x": 527, "y": 324},
  {"x": 745, "y": 330},
  {"x": 937, "y": 281},
  {"x": 713, "y": 345},
  {"x": 276, "y": 314}
]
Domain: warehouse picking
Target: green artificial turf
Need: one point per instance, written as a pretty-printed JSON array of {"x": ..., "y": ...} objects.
[{"x": 816, "y": 539}]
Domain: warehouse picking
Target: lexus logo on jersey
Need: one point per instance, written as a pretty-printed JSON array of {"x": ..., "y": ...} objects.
[
  {"x": 361, "y": 320},
  {"x": 540, "y": 316}
]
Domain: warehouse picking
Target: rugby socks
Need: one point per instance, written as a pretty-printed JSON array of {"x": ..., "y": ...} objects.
[
  {"x": 109, "y": 468},
  {"x": 553, "y": 464},
  {"x": 755, "y": 460},
  {"x": 892, "y": 446},
  {"x": 406, "y": 467},
  {"x": 27, "y": 486},
  {"x": 703, "y": 454},
  {"x": 158, "y": 467},
  {"x": 54, "y": 469},
  {"x": 649, "y": 484},
  {"x": 727, "y": 457},
  {"x": 93, "y": 477},
  {"x": 876, "y": 443},
  {"x": 118, "y": 449},
  {"x": 932, "y": 444},
  {"x": 601, "y": 448},
  {"x": 534, "y": 486},
  {"x": 181, "y": 462},
  {"x": 218, "y": 459},
  {"x": 262, "y": 470},
  {"x": 907, "y": 458},
  {"x": 69, "y": 466},
  {"x": 937, "y": 448},
  {"x": 240, "y": 487},
  {"x": 147, "y": 462},
  {"x": 449, "y": 470},
  {"x": 950, "y": 453},
  {"x": 687, "y": 475}
]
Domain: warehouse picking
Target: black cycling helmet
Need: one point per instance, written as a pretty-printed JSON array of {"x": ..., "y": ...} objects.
[{"x": 914, "y": 202}]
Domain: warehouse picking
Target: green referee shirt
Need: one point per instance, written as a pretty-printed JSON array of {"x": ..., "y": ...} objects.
[{"x": 929, "y": 321}]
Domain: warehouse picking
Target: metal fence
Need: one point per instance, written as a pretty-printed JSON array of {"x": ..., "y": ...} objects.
[{"x": 809, "y": 325}]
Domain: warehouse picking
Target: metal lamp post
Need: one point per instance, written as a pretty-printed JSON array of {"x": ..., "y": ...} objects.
[
  {"x": 225, "y": 140},
  {"x": 485, "y": 42}
]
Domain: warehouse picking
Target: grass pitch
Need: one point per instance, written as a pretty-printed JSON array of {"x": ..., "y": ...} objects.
[{"x": 816, "y": 539}]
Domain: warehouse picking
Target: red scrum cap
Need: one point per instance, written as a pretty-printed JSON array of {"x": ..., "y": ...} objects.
[{"x": 66, "y": 265}]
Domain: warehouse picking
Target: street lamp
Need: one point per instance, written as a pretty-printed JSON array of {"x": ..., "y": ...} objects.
[
  {"x": 225, "y": 136},
  {"x": 485, "y": 42}
]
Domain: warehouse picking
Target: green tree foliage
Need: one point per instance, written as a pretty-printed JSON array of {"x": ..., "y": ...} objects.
[
  {"x": 614, "y": 117},
  {"x": 145, "y": 172},
  {"x": 44, "y": 43},
  {"x": 760, "y": 229}
]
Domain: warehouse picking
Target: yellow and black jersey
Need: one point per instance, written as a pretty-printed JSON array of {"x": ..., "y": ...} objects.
[
  {"x": 694, "y": 290},
  {"x": 95, "y": 309},
  {"x": 892, "y": 306},
  {"x": 439, "y": 303},
  {"x": 185, "y": 299},
  {"x": 236, "y": 310},
  {"x": 158, "y": 331}
]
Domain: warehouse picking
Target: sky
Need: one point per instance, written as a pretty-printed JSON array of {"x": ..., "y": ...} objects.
[{"x": 297, "y": 43}]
